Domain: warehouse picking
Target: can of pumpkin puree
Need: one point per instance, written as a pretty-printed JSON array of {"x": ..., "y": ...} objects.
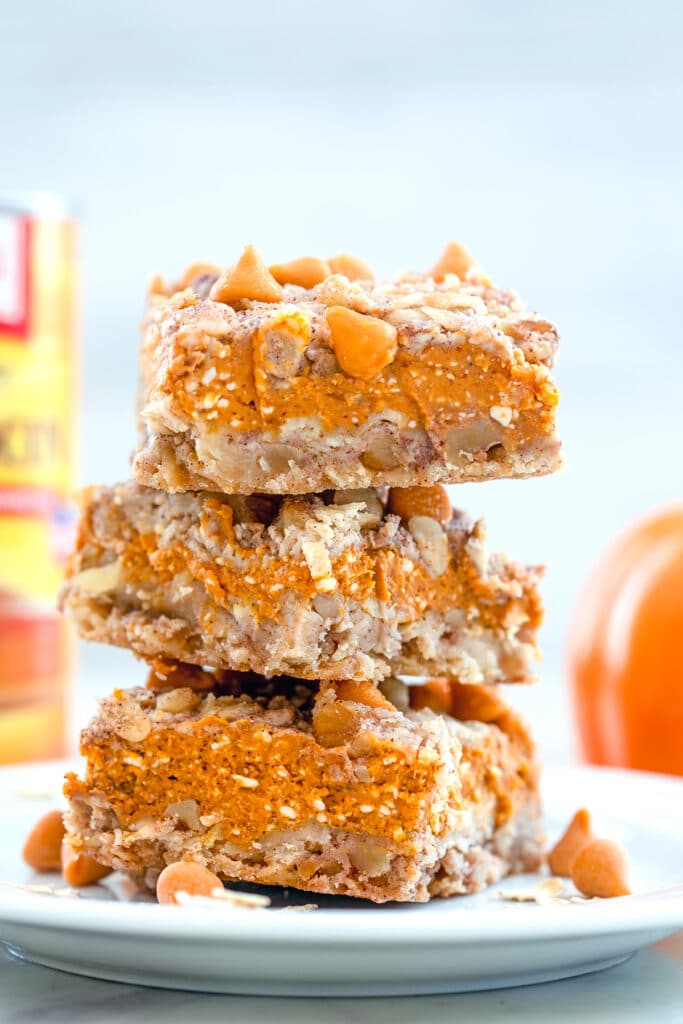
[{"x": 38, "y": 404}]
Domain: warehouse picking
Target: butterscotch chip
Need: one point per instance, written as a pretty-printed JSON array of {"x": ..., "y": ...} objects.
[
  {"x": 600, "y": 869},
  {"x": 157, "y": 285},
  {"x": 362, "y": 692},
  {"x": 335, "y": 722},
  {"x": 166, "y": 675},
  {"x": 470, "y": 702},
  {"x": 363, "y": 345},
  {"x": 42, "y": 849},
  {"x": 407, "y": 502},
  {"x": 579, "y": 833},
  {"x": 397, "y": 806},
  {"x": 455, "y": 259},
  {"x": 434, "y": 694},
  {"x": 80, "y": 868},
  {"x": 248, "y": 279},
  {"x": 465, "y": 701},
  {"x": 306, "y": 272},
  {"x": 187, "y": 877},
  {"x": 196, "y": 270},
  {"x": 351, "y": 267}
]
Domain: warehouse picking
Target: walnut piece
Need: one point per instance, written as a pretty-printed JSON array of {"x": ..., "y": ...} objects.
[
  {"x": 382, "y": 453},
  {"x": 131, "y": 723},
  {"x": 99, "y": 579},
  {"x": 278, "y": 458},
  {"x": 177, "y": 701},
  {"x": 186, "y": 811},
  {"x": 280, "y": 342},
  {"x": 370, "y": 858},
  {"x": 465, "y": 443},
  {"x": 432, "y": 543},
  {"x": 374, "y": 509}
]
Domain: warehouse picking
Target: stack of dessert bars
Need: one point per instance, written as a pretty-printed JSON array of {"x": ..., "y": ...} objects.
[{"x": 287, "y": 555}]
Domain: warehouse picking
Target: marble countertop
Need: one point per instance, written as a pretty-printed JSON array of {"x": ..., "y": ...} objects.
[{"x": 648, "y": 987}]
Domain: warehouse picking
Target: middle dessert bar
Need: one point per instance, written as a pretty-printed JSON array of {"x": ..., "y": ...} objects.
[{"x": 336, "y": 586}]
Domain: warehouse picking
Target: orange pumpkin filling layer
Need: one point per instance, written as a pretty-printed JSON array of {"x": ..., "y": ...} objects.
[
  {"x": 258, "y": 778},
  {"x": 260, "y": 580},
  {"x": 439, "y": 388}
]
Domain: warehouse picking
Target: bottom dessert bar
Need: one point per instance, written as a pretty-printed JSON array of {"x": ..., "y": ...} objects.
[{"x": 338, "y": 789}]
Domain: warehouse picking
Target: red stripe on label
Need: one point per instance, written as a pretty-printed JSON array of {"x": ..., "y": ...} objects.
[{"x": 27, "y": 501}]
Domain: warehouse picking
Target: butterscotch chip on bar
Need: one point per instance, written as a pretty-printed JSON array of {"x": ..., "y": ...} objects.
[
  {"x": 399, "y": 805},
  {"x": 329, "y": 586},
  {"x": 351, "y": 267},
  {"x": 252, "y": 385},
  {"x": 306, "y": 271},
  {"x": 248, "y": 280}
]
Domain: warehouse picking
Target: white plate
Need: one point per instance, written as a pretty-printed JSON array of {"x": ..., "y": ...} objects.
[{"x": 350, "y": 948}]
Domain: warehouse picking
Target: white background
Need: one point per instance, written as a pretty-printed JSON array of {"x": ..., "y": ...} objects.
[{"x": 546, "y": 136}]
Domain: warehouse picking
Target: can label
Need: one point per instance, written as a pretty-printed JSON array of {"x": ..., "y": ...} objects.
[
  {"x": 36, "y": 400},
  {"x": 37, "y": 459}
]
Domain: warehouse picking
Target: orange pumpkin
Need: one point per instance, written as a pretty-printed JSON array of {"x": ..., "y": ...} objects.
[{"x": 625, "y": 653}]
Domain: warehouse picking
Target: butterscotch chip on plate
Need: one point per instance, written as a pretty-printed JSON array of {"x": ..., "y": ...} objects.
[
  {"x": 313, "y": 375},
  {"x": 333, "y": 586},
  {"x": 286, "y": 783}
]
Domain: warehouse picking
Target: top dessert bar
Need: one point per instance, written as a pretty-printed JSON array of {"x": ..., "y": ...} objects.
[{"x": 312, "y": 375}]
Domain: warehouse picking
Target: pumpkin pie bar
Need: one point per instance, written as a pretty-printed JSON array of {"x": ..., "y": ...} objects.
[
  {"x": 338, "y": 789},
  {"x": 312, "y": 375},
  {"x": 344, "y": 585}
]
